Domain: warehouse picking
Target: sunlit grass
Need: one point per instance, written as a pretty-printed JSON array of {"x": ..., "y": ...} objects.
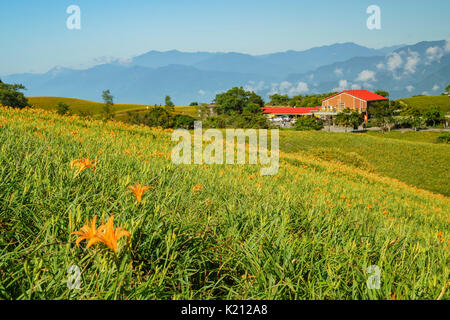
[
  {"x": 424, "y": 165},
  {"x": 206, "y": 232}
]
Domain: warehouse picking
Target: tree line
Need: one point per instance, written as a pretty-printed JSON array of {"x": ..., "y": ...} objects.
[{"x": 240, "y": 108}]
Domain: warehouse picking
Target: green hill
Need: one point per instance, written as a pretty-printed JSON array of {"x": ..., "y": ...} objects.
[
  {"x": 426, "y": 102},
  {"x": 420, "y": 164},
  {"x": 85, "y": 106}
]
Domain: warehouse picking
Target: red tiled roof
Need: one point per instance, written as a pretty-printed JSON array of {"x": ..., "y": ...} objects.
[
  {"x": 289, "y": 111},
  {"x": 361, "y": 94}
]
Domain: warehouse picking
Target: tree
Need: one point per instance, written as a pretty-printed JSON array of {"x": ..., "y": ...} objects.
[
  {"x": 183, "y": 121},
  {"x": 279, "y": 100},
  {"x": 349, "y": 119},
  {"x": 252, "y": 107},
  {"x": 308, "y": 123},
  {"x": 433, "y": 116},
  {"x": 193, "y": 104},
  {"x": 11, "y": 96},
  {"x": 356, "y": 119},
  {"x": 108, "y": 111},
  {"x": 447, "y": 89},
  {"x": 235, "y": 100},
  {"x": 158, "y": 117},
  {"x": 257, "y": 100},
  {"x": 62, "y": 108},
  {"x": 382, "y": 114},
  {"x": 382, "y": 93},
  {"x": 170, "y": 107},
  {"x": 414, "y": 116}
]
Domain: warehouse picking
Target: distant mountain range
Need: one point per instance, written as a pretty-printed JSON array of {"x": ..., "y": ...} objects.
[{"x": 423, "y": 68}]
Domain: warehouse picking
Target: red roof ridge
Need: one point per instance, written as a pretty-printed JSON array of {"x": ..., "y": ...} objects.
[
  {"x": 289, "y": 110},
  {"x": 365, "y": 95}
]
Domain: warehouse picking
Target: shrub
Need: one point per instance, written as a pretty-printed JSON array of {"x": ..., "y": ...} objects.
[
  {"x": 62, "y": 108},
  {"x": 184, "y": 121},
  {"x": 308, "y": 123},
  {"x": 244, "y": 121},
  {"x": 444, "y": 138},
  {"x": 158, "y": 117},
  {"x": 349, "y": 119}
]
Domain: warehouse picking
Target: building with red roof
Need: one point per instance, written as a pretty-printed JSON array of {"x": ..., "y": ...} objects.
[
  {"x": 357, "y": 100},
  {"x": 287, "y": 111}
]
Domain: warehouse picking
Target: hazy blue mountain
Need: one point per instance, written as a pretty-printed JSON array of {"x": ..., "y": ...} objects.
[
  {"x": 386, "y": 50},
  {"x": 302, "y": 61},
  {"x": 186, "y": 77},
  {"x": 135, "y": 84},
  {"x": 244, "y": 63},
  {"x": 155, "y": 59},
  {"x": 277, "y": 64}
]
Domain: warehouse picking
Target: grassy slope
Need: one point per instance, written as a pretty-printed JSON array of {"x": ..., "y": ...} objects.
[
  {"x": 309, "y": 232},
  {"x": 418, "y": 136},
  {"x": 78, "y": 105},
  {"x": 426, "y": 102},
  {"x": 419, "y": 164}
]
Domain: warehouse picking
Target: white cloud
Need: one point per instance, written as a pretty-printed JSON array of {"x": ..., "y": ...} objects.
[
  {"x": 285, "y": 85},
  {"x": 301, "y": 87},
  {"x": 356, "y": 87},
  {"x": 202, "y": 92},
  {"x": 338, "y": 72},
  {"x": 434, "y": 54},
  {"x": 104, "y": 60},
  {"x": 343, "y": 85},
  {"x": 394, "y": 61},
  {"x": 366, "y": 75},
  {"x": 425, "y": 93},
  {"x": 255, "y": 87},
  {"x": 447, "y": 45},
  {"x": 410, "y": 88},
  {"x": 380, "y": 66},
  {"x": 288, "y": 88},
  {"x": 435, "y": 87},
  {"x": 411, "y": 62}
]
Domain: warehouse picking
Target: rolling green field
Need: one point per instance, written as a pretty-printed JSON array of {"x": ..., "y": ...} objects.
[
  {"x": 419, "y": 164},
  {"x": 217, "y": 231},
  {"x": 414, "y": 136},
  {"x": 426, "y": 102},
  {"x": 95, "y": 108}
]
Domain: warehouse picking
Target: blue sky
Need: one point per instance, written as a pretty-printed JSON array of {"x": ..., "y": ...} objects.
[{"x": 34, "y": 36}]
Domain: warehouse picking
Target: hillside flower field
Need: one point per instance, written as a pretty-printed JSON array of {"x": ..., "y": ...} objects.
[{"x": 106, "y": 199}]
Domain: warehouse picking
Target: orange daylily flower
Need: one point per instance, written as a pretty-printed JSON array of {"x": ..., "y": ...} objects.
[
  {"x": 88, "y": 232},
  {"x": 197, "y": 188},
  {"x": 83, "y": 164},
  {"x": 138, "y": 191},
  {"x": 109, "y": 236}
]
